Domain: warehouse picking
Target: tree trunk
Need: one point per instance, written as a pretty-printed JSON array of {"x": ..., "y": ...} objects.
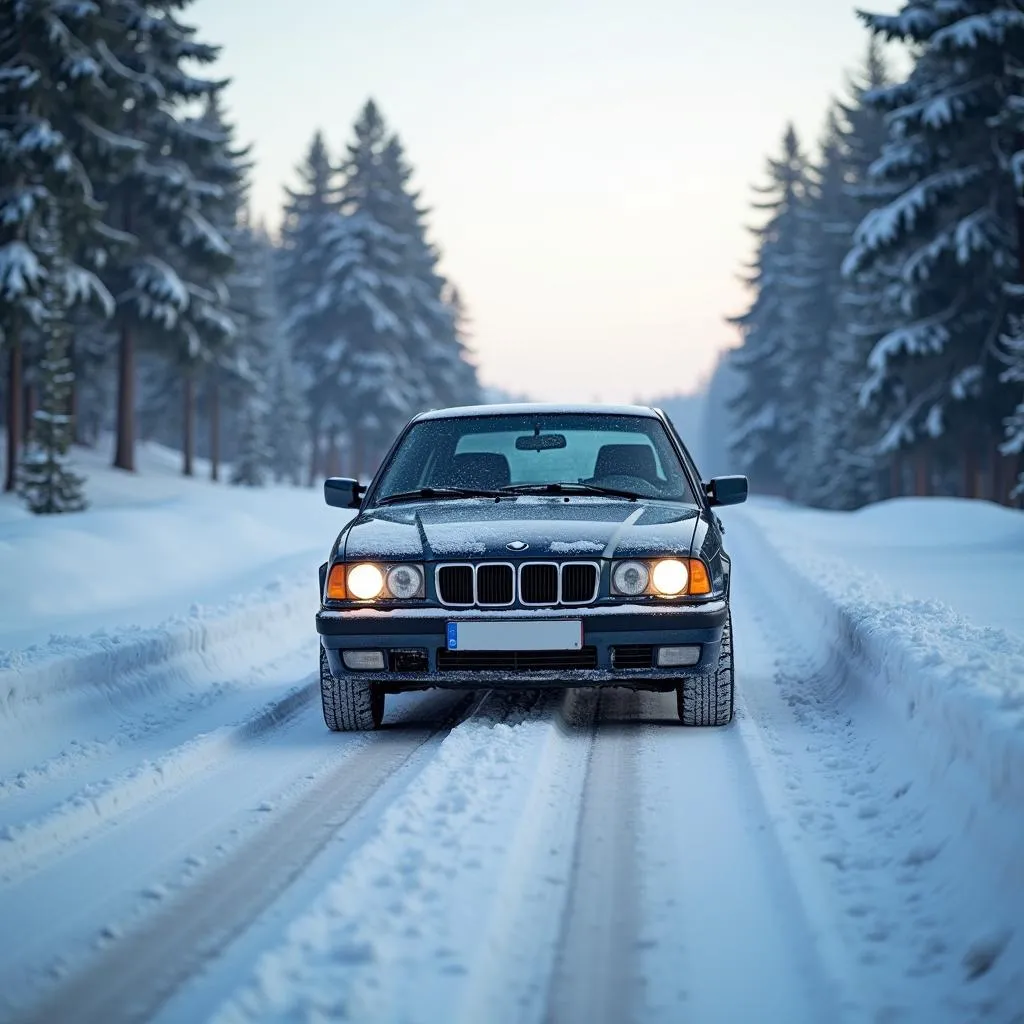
[
  {"x": 314, "y": 457},
  {"x": 31, "y": 404},
  {"x": 188, "y": 445},
  {"x": 76, "y": 431},
  {"x": 895, "y": 476},
  {"x": 214, "y": 427},
  {"x": 124, "y": 457},
  {"x": 922, "y": 483},
  {"x": 357, "y": 453},
  {"x": 970, "y": 468},
  {"x": 14, "y": 387}
]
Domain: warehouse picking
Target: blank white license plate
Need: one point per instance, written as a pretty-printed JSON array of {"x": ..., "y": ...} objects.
[{"x": 533, "y": 635}]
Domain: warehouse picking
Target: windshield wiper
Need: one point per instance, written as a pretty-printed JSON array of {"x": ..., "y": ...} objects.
[
  {"x": 440, "y": 492},
  {"x": 568, "y": 488}
]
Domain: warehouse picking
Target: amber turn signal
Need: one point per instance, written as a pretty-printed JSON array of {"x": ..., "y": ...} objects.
[
  {"x": 700, "y": 582},
  {"x": 336, "y": 584}
]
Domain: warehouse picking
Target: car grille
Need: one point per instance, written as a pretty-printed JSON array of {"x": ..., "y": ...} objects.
[
  {"x": 632, "y": 656},
  {"x": 455, "y": 584},
  {"x": 540, "y": 584},
  {"x": 495, "y": 584},
  {"x": 515, "y": 661},
  {"x": 579, "y": 582}
]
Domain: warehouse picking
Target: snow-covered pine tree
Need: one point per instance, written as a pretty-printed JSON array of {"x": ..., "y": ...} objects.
[
  {"x": 949, "y": 237},
  {"x": 467, "y": 387},
  {"x": 223, "y": 361},
  {"x": 376, "y": 298},
  {"x": 45, "y": 481},
  {"x": 253, "y": 301},
  {"x": 436, "y": 348},
  {"x": 768, "y": 408},
  {"x": 310, "y": 217},
  {"x": 843, "y": 470},
  {"x": 289, "y": 430},
  {"x": 168, "y": 279},
  {"x": 61, "y": 106}
]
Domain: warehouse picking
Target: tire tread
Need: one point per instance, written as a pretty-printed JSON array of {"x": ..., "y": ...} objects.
[
  {"x": 349, "y": 704},
  {"x": 709, "y": 699}
]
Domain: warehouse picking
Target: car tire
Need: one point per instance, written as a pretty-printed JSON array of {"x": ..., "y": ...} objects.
[
  {"x": 708, "y": 699},
  {"x": 351, "y": 704}
]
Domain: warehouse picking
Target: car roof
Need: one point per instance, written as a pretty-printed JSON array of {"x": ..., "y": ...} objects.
[{"x": 537, "y": 408}]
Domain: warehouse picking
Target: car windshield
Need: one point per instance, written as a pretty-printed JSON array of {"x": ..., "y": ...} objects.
[{"x": 621, "y": 453}]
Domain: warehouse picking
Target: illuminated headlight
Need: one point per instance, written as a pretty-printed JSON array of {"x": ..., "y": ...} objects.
[
  {"x": 405, "y": 581},
  {"x": 670, "y": 577},
  {"x": 630, "y": 578},
  {"x": 365, "y": 581}
]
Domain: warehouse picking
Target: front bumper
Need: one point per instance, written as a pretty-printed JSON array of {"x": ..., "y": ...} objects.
[{"x": 604, "y": 629}]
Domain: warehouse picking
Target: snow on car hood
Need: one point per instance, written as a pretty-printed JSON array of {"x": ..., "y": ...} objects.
[{"x": 482, "y": 528}]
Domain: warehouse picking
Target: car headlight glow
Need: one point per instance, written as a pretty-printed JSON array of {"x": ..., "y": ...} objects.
[
  {"x": 404, "y": 581},
  {"x": 670, "y": 576},
  {"x": 365, "y": 581},
  {"x": 630, "y": 578}
]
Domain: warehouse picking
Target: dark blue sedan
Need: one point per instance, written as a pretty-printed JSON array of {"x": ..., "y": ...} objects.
[{"x": 529, "y": 546}]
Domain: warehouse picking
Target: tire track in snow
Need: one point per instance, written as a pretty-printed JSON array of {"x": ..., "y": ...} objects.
[
  {"x": 25, "y": 845},
  {"x": 593, "y": 978},
  {"x": 135, "y": 975}
]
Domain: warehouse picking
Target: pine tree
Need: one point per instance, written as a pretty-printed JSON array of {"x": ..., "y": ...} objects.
[
  {"x": 168, "y": 272},
  {"x": 948, "y": 241},
  {"x": 60, "y": 104},
  {"x": 258, "y": 339},
  {"x": 289, "y": 430},
  {"x": 374, "y": 298},
  {"x": 46, "y": 483},
  {"x": 310, "y": 217},
  {"x": 775, "y": 329},
  {"x": 843, "y": 471}
]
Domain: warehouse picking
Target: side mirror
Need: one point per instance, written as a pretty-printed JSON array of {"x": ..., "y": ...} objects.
[
  {"x": 727, "y": 490},
  {"x": 341, "y": 492}
]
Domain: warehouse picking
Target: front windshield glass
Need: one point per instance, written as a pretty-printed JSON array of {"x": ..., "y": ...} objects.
[{"x": 627, "y": 453}]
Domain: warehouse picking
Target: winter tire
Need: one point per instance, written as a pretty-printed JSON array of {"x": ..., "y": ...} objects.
[
  {"x": 708, "y": 699},
  {"x": 351, "y": 704}
]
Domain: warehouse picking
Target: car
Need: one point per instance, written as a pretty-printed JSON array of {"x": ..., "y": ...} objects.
[{"x": 529, "y": 546}]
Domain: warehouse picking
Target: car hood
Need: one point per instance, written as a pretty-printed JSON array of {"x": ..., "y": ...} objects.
[{"x": 551, "y": 526}]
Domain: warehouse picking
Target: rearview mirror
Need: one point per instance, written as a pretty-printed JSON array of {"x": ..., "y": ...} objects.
[
  {"x": 540, "y": 442},
  {"x": 341, "y": 492},
  {"x": 727, "y": 490}
]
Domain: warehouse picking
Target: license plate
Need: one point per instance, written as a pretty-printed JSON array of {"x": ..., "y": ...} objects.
[{"x": 532, "y": 635}]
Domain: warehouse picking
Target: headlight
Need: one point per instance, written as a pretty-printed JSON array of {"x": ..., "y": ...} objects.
[
  {"x": 661, "y": 577},
  {"x": 630, "y": 578},
  {"x": 365, "y": 581},
  {"x": 670, "y": 577},
  {"x": 405, "y": 581}
]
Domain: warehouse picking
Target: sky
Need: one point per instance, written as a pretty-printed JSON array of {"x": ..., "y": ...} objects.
[{"x": 588, "y": 163}]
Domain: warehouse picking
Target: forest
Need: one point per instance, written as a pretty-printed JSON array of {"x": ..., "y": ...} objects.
[
  {"x": 140, "y": 296},
  {"x": 883, "y": 346}
]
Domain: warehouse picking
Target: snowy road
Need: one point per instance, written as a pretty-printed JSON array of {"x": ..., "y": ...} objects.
[{"x": 189, "y": 854}]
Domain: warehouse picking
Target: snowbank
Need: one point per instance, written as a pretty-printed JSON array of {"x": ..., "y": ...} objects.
[
  {"x": 876, "y": 578},
  {"x": 159, "y": 571},
  {"x": 150, "y": 546}
]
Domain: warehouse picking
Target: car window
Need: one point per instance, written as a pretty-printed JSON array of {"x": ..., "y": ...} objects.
[{"x": 627, "y": 452}]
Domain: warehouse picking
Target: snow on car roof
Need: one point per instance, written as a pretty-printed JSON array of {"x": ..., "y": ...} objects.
[{"x": 532, "y": 408}]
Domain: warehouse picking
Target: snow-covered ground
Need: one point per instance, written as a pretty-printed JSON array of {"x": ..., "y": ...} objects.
[{"x": 182, "y": 840}]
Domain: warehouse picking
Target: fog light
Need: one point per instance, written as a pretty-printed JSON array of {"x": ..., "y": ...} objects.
[
  {"x": 675, "y": 657},
  {"x": 363, "y": 660}
]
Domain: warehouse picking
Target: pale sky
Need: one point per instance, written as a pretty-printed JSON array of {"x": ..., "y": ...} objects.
[{"x": 588, "y": 162}]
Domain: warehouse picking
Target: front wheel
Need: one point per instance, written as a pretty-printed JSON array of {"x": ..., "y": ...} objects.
[
  {"x": 708, "y": 699},
  {"x": 350, "y": 704}
]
